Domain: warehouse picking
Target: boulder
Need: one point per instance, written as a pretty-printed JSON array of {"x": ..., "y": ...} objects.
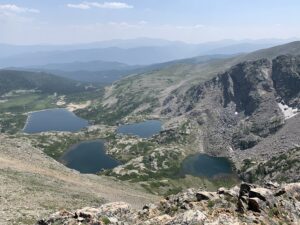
[
  {"x": 149, "y": 211},
  {"x": 261, "y": 193},
  {"x": 292, "y": 188},
  {"x": 116, "y": 209},
  {"x": 233, "y": 192},
  {"x": 280, "y": 192},
  {"x": 254, "y": 204},
  {"x": 245, "y": 189},
  {"x": 242, "y": 204},
  {"x": 271, "y": 185},
  {"x": 221, "y": 190},
  {"x": 163, "y": 219},
  {"x": 189, "y": 217},
  {"x": 204, "y": 196}
]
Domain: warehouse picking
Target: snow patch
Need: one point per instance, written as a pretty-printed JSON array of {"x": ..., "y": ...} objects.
[{"x": 287, "y": 111}]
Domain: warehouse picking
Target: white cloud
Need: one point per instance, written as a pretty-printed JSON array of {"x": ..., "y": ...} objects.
[
  {"x": 105, "y": 5},
  {"x": 17, "y": 9},
  {"x": 79, "y": 6}
]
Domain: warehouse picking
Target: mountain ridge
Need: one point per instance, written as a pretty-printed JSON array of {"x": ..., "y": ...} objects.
[
  {"x": 15, "y": 80},
  {"x": 156, "y": 53}
]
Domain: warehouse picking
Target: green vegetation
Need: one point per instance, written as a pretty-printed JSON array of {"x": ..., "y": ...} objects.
[
  {"x": 55, "y": 148},
  {"x": 173, "y": 191},
  {"x": 27, "y": 102},
  {"x": 89, "y": 95},
  {"x": 15, "y": 106},
  {"x": 99, "y": 114},
  {"x": 12, "y": 123},
  {"x": 273, "y": 212},
  {"x": 168, "y": 186},
  {"x": 46, "y": 83},
  {"x": 280, "y": 167},
  {"x": 105, "y": 220},
  {"x": 13, "y": 110},
  {"x": 210, "y": 204}
]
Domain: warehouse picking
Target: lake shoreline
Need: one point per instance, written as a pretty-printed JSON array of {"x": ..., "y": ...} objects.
[
  {"x": 202, "y": 165},
  {"x": 78, "y": 154},
  {"x": 54, "y": 122}
]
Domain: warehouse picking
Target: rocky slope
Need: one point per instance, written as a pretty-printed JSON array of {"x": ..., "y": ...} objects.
[
  {"x": 282, "y": 167},
  {"x": 146, "y": 92},
  {"x": 246, "y": 105},
  {"x": 33, "y": 185},
  {"x": 249, "y": 101},
  {"x": 247, "y": 204}
]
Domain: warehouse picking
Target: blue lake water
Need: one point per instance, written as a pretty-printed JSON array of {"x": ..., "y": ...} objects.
[
  {"x": 88, "y": 157},
  {"x": 53, "y": 120},
  {"x": 206, "y": 166},
  {"x": 144, "y": 129}
]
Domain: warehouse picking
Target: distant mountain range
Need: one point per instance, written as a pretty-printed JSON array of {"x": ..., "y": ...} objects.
[
  {"x": 142, "y": 51},
  {"x": 106, "y": 72}
]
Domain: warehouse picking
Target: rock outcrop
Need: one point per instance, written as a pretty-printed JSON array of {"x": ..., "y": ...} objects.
[
  {"x": 247, "y": 204},
  {"x": 241, "y": 107}
]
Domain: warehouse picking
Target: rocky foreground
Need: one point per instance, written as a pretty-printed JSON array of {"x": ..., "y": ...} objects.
[{"x": 247, "y": 204}]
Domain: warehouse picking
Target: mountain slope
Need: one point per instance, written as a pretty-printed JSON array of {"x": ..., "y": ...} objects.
[
  {"x": 107, "y": 72},
  {"x": 237, "y": 111},
  {"x": 34, "y": 185},
  {"x": 46, "y": 83},
  {"x": 245, "y": 102},
  {"x": 158, "y": 86},
  {"x": 85, "y": 66}
]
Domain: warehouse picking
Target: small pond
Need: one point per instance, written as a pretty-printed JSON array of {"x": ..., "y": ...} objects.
[
  {"x": 203, "y": 165},
  {"x": 53, "y": 120},
  {"x": 88, "y": 157},
  {"x": 144, "y": 129}
]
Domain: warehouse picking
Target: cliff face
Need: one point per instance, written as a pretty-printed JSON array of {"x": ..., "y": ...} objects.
[
  {"x": 239, "y": 108},
  {"x": 286, "y": 78},
  {"x": 247, "y": 204}
]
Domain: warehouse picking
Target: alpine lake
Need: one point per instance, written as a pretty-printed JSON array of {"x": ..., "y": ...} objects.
[{"x": 91, "y": 157}]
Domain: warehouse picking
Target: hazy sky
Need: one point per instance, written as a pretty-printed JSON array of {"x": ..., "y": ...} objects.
[{"x": 72, "y": 21}]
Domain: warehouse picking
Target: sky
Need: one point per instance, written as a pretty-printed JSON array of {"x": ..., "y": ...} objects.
[{"x": 193, "y": 21}]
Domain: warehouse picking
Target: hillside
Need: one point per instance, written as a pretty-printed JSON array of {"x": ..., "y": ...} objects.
[
  {"x": 43, "y": 82},
  {"x": 107, "y": 72},
  {"x": 85, "y": 66},
  {"x": 34, "y": 185},
  {"x": 148, "y": 91},
  {"x": 240, "y": 112},
  {"x": 238, "y": 109}
]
